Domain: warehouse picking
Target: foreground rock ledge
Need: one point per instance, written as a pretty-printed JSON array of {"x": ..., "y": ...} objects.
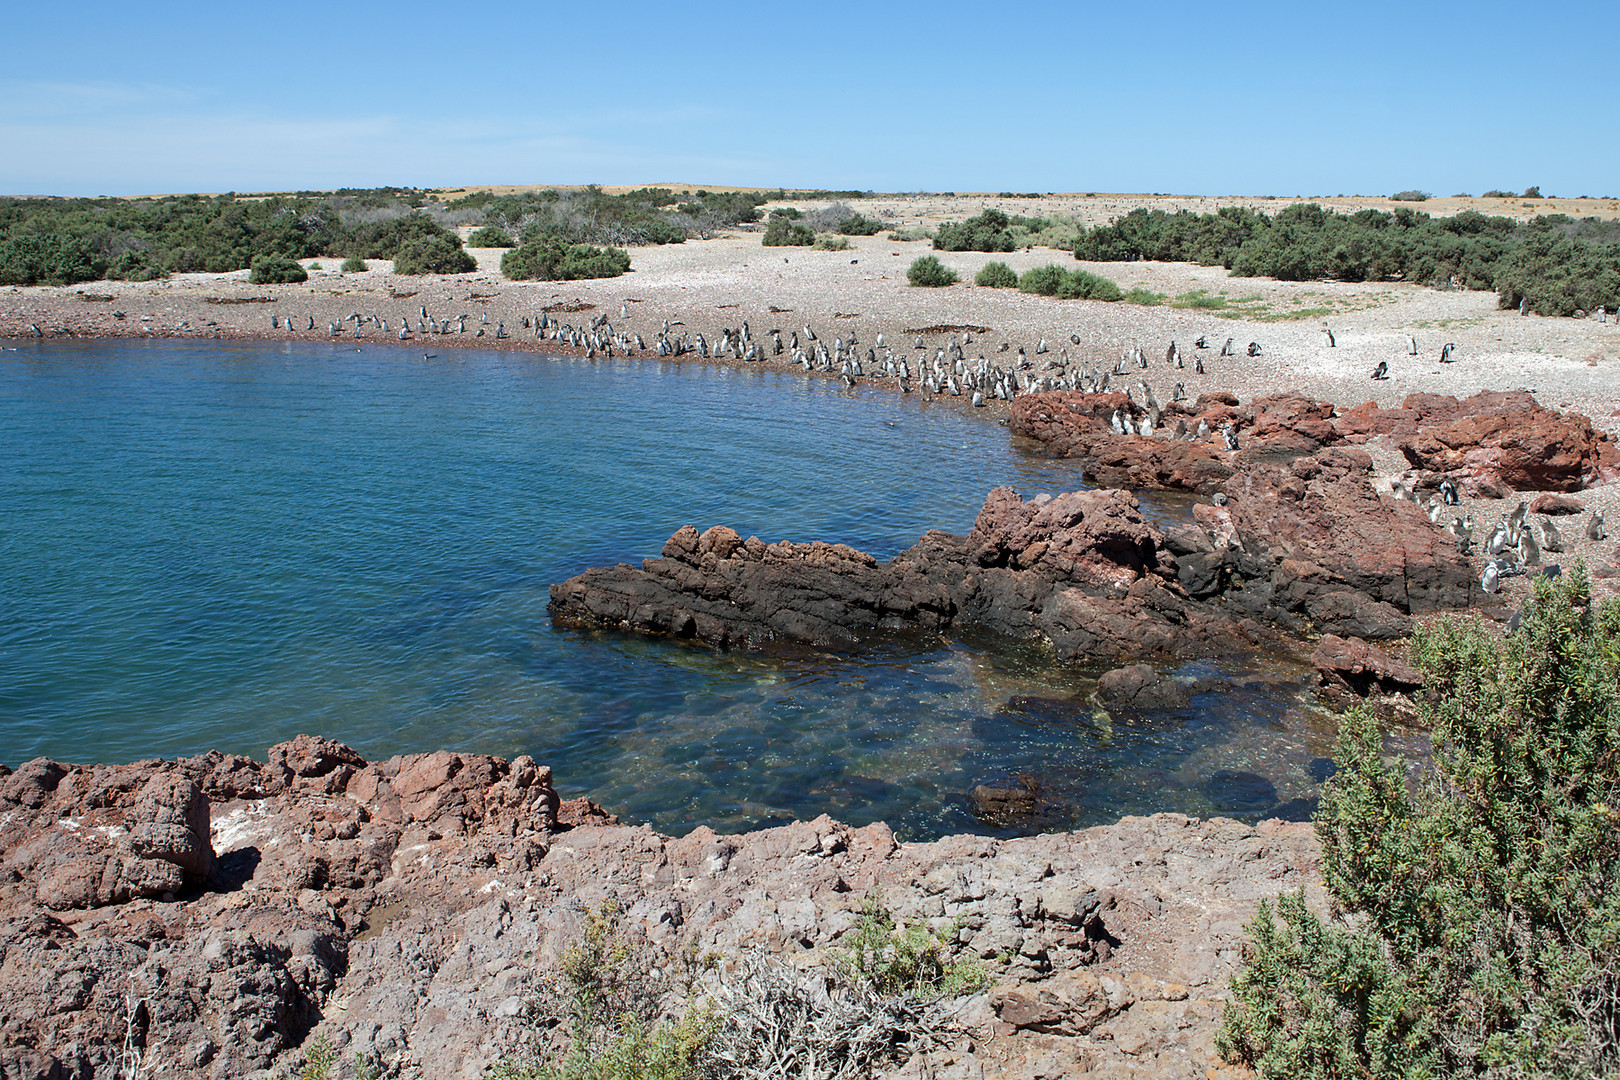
[{"x": 219, "y": 912}]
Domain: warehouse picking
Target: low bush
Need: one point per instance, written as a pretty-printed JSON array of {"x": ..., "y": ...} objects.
[
  {"x": 910, "y": 236},
  {"x": 784, "y": 232},
  {"x": 888, "y": 959},
  {"x": 987, "y": 232},
  {"x": 1042, "y": 280},
  {"x": 1476, "y": 927},
  {"x": 1084, "y": 285},
  {"x": 1411, "y": 195},
  {"x": 491, "y": 236},
  {"x": 605, "y": 1001},
  {"x": 440, "y": 254},
  {"x": 351, "y": 265},
  {"x": 996, "y": 275},
  {"x": 1141, "y": 294},
  {"x": 828, "y": 242},
  {"x": 1068, "y": 284},
  {"x": 929, "y": 272},
  {"x": 276, "y": 270},
  {"x": 553, "y": 260}
]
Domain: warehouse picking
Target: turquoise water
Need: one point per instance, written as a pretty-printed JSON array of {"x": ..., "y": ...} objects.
[{"x": 220, "y": 545}]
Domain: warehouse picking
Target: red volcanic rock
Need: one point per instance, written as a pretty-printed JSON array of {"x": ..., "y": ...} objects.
[
  {"x": 1078, "y": 426},
  {"x": 1383, "y": 548},
  {"x": 1084, "y": 570},
  {"x": 1507, "y": 436},
  {"x": 1555, "y": 505},
  {"x": 1353, "y": 666}
]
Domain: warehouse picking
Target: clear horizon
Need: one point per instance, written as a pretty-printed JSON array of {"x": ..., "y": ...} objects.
[{"x": 1257, "y": 99}]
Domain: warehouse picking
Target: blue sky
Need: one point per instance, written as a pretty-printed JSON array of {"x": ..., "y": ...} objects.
[{"x": 1249, "y": 98}]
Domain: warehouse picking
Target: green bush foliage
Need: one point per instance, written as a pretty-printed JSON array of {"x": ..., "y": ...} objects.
[
  {"x": 1141, "y": 294},
  {"x": 1479, "y": 908},
  {"x": 1559, "y": 265},
  {"x": 1068, "y": 284},
  {"x": 929, "y": 272},
  {"x": 1411, "y": 195},
  {"x": 1042, "y": 280},
  {"x": 785, "y": 232},
  {"x": 276, "y": 270},
  {"x": 889, "y": 959},
  {"x": 553, "y": 260},
  {"x": 606, "y": 998},
  {"x": 352, "y": 265},
  {"x": 989, "y": 231},
  {"x": 491, "y": 236},
  {"x": 996, "y": 275},
  {"x": 1084, "y": 285},
  {"x": 441, "y": 254},
  {"x": 828, "y": 242}
]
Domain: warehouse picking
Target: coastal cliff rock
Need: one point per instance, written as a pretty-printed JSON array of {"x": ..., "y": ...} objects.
[
  {"x": 1084, "y": 571},
  {"x": 1487, "y": 442},
  {"x": 404, "y": 910},
  {"x": 1305, "y": 546}
]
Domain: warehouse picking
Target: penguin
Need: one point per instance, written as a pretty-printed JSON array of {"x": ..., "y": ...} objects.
[
  {"x": 1529, "y": 550},
  {"x": 1594, "y": 527},
  {"x": 1445, "y": 352},
  {"x": 1231, "y": 437},
  {"x": 1498, "y": 541},
  {"x": 1181, "y": 429},
  {"x": 1203, "y": 429},
  {"x": 1491, "y": 580},
  {"x": 1381, "y": 371},
  {"x": 1226, "y": 350},
  {"x": 1548, "y": 536},
  {"x": 1118, "y": 425},
  {"x": 1254, "y": 349},
  {"x": 1448, "y": 492}
]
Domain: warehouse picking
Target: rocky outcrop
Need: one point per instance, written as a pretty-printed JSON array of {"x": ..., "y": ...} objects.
[
  {"x": 1506, "y": 436},
  {"x": 1309, "y": 545},
  {"x": 1350, "y": 667},
  {"x": 1488, "y": 443},
  {"x": 404, "y": 910},
  {"x": 1084, "y": 571}
]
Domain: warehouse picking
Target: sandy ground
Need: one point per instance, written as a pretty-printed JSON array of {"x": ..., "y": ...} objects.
[{"x": 1569, "y": 364}]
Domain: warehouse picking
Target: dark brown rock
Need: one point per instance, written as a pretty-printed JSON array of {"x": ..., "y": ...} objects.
[
  {"x": 1353, "y": 666},
  {"x": 1556, "y": 505},
  {"x": 1084, "y": 571},
  {"x": 1140, "y": 687}
]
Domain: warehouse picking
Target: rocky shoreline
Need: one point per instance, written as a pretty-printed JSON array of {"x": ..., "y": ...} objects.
[{"x": 214, "y": 916}]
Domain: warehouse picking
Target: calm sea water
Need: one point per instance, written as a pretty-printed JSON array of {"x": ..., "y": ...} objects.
[{"x": 217, "y": 545}]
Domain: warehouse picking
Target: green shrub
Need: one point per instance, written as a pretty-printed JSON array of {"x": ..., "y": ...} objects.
[
  {"x": 1042, "y": 280},
  {"x": 929, "y": 272},
  {"x": 996, "y": 275},
  {"x": 553, "y": 260},
  {"x": 910, "y": 236},
  {"x": 314, "y": 266},
  {"x": 491, "y": 236},
  {"x": 1083, "y": 285},
  {"x": 351, "y": 265},
  {"x": 987, "y": 232},
  {"x": 1141, "y": 294},
  {"x": 276, "y": 270},
  {"x": 1479, "y": 905},
  {"x": 438, "y": 254},
  {"x": 828, "y": 242},
  {"x": 784, "y": 232},
  {"x": 859, "y": 225},
  {"x": 1201, "y": 300},
  {"x": 887, "y": 959},
  {"x": 1411, "y": 195},
  {"x": 606, "y": 999}
]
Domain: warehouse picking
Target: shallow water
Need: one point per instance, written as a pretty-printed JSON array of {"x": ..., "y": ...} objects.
[{"x": 220, "y": 545}]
